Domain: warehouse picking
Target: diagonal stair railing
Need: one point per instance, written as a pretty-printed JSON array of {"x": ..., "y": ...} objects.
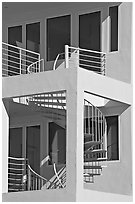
[
  {"x": 95, "y": 141},
  {"x": 21, "y": 177}
]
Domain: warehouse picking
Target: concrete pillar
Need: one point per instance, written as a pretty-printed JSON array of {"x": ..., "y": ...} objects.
[
  {"x": 5, "y": 138},
  {"x": 79, "y": 141},
  {"x": 71, "y": 133}
]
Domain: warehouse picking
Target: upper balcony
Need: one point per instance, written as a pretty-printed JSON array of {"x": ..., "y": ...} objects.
[{"x": 17, "y": 61}]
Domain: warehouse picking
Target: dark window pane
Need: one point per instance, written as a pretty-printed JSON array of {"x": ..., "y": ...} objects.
[
  {"x": 15, "y": 142},
  {"x": 14, "y": 36},
  {"x": 57, "y": 144},
  {"x": 33, "y": 37},
  {"x": 89, "y": 31},
  {"x": 58, "y": 35},
  {"x": 113, "y": 13},
  {"x": 33, "y": 147},
  {"x": 112, "y": 138}
]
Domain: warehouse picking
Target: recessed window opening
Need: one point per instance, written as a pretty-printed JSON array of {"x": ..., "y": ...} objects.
[
  {"x": 58, "y": 35},
  {"x": 112, "y": 138},
  {"x": 113, "y": 13}
]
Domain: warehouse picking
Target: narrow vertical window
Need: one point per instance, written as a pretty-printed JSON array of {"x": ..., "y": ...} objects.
[
  {"x": 33, "y": 37},
  {"x": 112, "y": 138},
  {"x": 113, "y": 13},
  {"x": 58, "y": 35}
]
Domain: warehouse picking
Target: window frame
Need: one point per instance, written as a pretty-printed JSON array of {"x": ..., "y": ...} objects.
[
  {"x": 113, "y": 51},
  {"x": 46, "y": 33},
  {"x": 119, "y": 139}
]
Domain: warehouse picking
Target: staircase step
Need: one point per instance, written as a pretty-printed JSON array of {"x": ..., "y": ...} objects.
[
  {"x": 94, "y": 159},
  {"x": 91, "y": 143},
  {"x": 91, "y": 174},
  {"x": 88, "y": 135},
  {"x": 48, "y": 103},
  {"x": 88, "y": 181},
  {"x": 95, "y": 151},
  {"x": 92, "y": 167},
  {"x": 49, "y": 97}
]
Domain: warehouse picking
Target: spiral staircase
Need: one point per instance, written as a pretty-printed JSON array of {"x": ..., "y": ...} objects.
[
  {"x": 95, "y": 144},
  {"x": 53, "y": 105}
]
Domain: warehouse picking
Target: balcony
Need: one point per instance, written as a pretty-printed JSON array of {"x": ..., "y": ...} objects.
[{"x": 17, "y": 61}]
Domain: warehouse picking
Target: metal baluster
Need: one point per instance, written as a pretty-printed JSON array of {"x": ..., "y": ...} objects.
[
  {"x": 42, "y": 183},
  {"x": 88, "y": 119},
  {"x": 20, "y": 51},
  {"x": 92, "y": 123},
  {"x": 39, "y": 184},
  {"x": 95, "y": 125}
]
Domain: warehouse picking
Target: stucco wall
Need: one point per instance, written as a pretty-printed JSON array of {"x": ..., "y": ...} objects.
[
  {"x": 23, "y": 88},
  {"x": 118, "y": 64},
  {"x": 116, "y": 178}
]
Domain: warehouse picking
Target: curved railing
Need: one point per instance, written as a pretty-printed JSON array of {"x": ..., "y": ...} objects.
[
  {"x": 95, "y": 129},
  {"x": 35, "y": 181},
  {"x": 88, "y": 59},
  {"x": 56, "y": 174},
  {"x": 56, "y": 60},
  {"x": 21, "y": 177},
  {"x": 16, "y": 60},
  {"x": 35, "y": 67}
]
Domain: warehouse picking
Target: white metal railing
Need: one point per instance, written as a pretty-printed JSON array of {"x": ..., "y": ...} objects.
[
  {"x": 87, "y": 59},
  {"x": 58, "y": 58},
  {"x": 37, "y": 66},
  {"x": 57, "y": 176},
  {"x": 21, "y": 177},
  {"x": 16, "y": 60},
  {"x": 95, "y": 129}
]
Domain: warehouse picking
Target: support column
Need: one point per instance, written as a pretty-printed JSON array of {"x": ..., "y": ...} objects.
[
  {"x": 80, "y": 142},
  {"x": 71, "y": 133},
  {"x": 5, "y": 141}
]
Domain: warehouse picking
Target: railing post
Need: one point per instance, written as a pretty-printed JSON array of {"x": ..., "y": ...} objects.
[
  {"x": 39, "y": 64},
  {"x": 66, "y": 57},
  {"x": 29, "y": 179},
  {"x": 20, "y": 51}
]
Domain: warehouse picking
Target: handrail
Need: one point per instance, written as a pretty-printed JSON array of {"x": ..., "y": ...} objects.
[
  {"x": 54, "y": 167},
  {"x": 94, "y": 51},
  {"x": 37, "y": 173},
  {"x": 20, "y": 48},
  {"x": 97, "y": 128},
  {"x": 93, "y": 105},
  {"x": 56, "y": 59},
  {"x": 16, "y": 158},
  {"x": 28, "y": 68}
]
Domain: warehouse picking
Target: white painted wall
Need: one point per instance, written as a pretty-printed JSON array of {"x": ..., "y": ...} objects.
[
  {"x": 5, "y": 128},
  {"x": 118, "y": 64},
  {"x": 116, "y": 179}
]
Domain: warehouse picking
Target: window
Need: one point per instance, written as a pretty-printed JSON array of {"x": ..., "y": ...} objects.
[
  {"x": 15, "y": 142},
  {"x": 112, "y": 138},
  {"x": 113, "y": 13},
  {"x": 33, "y": 37},
  {"x": 89, "y": 31},
  {"x": 58, "y": 35},
  {"x": 14, "y": 37},
  {"x": 57, "y": 144},
  {"x": 33, "y": 147}
]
